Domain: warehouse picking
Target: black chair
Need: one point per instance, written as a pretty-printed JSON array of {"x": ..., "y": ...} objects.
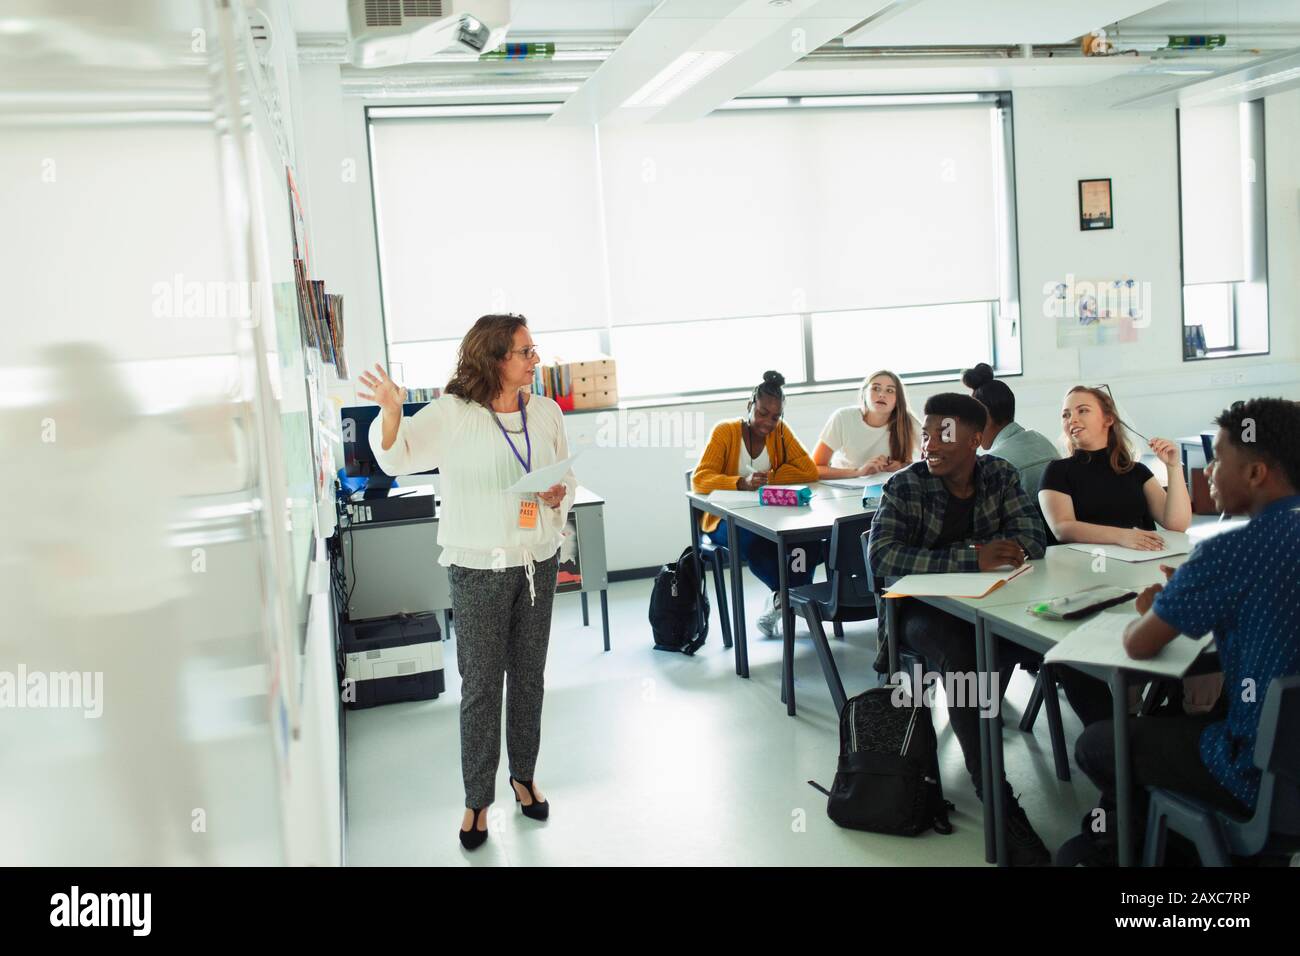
[
  {"x": 846, "y": 595},
  {"x": 717, "y": 556},
  {"x": 1274, "y": 829}
]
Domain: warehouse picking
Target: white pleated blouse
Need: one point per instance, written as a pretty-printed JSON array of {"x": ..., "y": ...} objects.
[{"x": 478, "y": 524}]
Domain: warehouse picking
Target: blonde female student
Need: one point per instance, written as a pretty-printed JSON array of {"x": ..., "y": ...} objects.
[
  {"x": 1101, "y": 493},
  {"x": 878, "y": 434}
]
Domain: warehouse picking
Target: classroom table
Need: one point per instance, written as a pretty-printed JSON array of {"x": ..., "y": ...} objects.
[
  {"x": 784, "y": 527},
  {"x": 1063, "y": 570},
  {"x": 1011, "y": 621}
]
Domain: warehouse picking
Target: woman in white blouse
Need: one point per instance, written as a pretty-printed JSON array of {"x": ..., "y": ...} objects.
[{"x": 499, "y": 547}]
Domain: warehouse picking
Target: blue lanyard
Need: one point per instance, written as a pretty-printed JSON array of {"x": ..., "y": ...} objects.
[{"x": 523, "y": 415}]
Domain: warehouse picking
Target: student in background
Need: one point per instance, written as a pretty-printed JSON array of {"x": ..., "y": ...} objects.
[
  {"x": 744, "y": 455},
  {"x": 1028, "y": 450},
  {"x": 877, "y": 435},
  {"x": 1102, "y": 494},
  {"x": 1239, "y": 584},
  {"x": 956, "y": 510}
]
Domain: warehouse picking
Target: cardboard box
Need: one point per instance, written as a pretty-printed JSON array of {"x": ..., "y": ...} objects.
[
  {"x": 594, "y": 383},
  {"x": 592, "y": 367},
  {"x": 597, "y": 398}
]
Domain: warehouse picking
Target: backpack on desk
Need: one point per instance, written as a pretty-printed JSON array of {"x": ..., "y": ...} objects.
[
  {"x": 888, "y": 776},
  {"x": 677, "y": 589}
]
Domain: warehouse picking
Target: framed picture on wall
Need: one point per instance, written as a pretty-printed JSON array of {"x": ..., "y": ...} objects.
[{"x": 1094, "y": 204}]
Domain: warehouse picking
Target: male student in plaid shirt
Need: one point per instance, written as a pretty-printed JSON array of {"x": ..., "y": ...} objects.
[{"x": 955, "y": 510}]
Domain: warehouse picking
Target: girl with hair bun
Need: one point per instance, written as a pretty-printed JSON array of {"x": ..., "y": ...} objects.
[
  {"x": 1028, "y": 450},
  {"x": 879, "y": 434},
  {"x": 743, "y": 455}
]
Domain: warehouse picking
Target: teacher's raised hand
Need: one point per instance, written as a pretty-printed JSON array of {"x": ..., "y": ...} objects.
[{"x": 383, "y": 390}]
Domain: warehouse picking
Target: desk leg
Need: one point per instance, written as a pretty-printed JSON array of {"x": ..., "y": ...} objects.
[
  {"x": 584, "y": 608},
  {"x": 1123, "y": 768},
  {"x": 699, "y": 565},
  {"x": 738, "y": 600},
  {"x": 446, "y": 625},
  {"x": 992, "y": 775},
  {"x": 787, "y": 627},
  {"x": 891, "y": 634},
  {"x": 1053, "y": 704},
  {"x": 604, "y": 614}
]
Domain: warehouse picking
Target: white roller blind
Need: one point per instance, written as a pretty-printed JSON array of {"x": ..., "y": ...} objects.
[
  {"x": 479, "y": 215},
  {"x": 1210, "y": 154},
  {"x": 767, "y": 212}
]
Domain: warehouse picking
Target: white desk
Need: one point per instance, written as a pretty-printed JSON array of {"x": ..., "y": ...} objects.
[
  {"x": 783, "y": 526},
  {"x": 1002, "y": 613},
  {"x": 392, "y": 566}
]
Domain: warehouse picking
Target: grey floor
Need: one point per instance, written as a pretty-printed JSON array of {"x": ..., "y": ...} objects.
[{"x": 651, "y": 758}]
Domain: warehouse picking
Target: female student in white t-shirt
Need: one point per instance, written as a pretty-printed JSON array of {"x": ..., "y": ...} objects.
[{"x": 877, "y": 435}]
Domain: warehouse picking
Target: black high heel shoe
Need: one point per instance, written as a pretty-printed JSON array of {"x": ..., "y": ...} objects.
[
  {"x": 538, "y": 809},
  {"x": 473, "y": 838}
]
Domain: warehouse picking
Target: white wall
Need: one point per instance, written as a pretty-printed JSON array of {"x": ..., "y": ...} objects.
[{"x": 1061, "y": 136}]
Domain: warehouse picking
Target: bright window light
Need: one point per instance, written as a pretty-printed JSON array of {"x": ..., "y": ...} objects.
[
  {"x": 918, "y": 339},
  {"x": 678, "y": 357}
]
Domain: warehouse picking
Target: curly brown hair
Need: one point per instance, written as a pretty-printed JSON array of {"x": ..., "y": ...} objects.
[{"x": 478, "y": 360}]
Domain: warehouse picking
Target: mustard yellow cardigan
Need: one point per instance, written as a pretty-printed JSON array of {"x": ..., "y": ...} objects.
[{"x": 719, "y": 466}]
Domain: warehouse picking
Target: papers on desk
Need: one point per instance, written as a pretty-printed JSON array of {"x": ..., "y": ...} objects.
[
  {"x": 542, "y": 478},
  {"x": 733, "y": 498},
  {"x": 1175, "y": 543},
  {"x": 959, "y": 584},
  {"x": 1100, "y": 641},
  {"x": 860, "y": 482}
]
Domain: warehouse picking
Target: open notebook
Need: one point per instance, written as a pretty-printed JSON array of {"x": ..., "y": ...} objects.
[
  {"x": 1175, "y": 543},
  {"x": 960, "y": 584},
  {"x": 1100, "y": 641}
]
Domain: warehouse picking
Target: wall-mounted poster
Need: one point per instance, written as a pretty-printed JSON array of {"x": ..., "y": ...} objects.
[
  {"x": 1097, "y": 312},
  {"x": 569, "y": 573},
  {"x": 1094, "y": 204}
]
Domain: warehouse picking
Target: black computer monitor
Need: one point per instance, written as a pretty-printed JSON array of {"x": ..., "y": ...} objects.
[{"x": 358, "y": 457}]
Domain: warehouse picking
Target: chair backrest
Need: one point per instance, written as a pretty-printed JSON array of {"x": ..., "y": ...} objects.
[
  {"x": 689, "y": 472},
  {"x": 1279, "y": 729},
  {"x": 846, "y": 565},
  {"x": 1277, "y": 810},
  {"x": 1207, "y": 445}
]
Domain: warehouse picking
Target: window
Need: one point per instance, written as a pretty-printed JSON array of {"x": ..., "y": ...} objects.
[
  {"x": 937, "y": 338},
  {"x": 430, "y": 364},
  {"x": 821, "y": 236},
  {"x": 683, "y": 357},
  {"x": 1224, "y": 243}
]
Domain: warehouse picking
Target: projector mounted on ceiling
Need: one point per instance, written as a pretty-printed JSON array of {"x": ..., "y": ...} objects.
[{"x": 392, "y": 32}]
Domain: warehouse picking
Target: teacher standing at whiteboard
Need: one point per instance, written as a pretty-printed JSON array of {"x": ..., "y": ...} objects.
[{"x": 499, "y": 547}]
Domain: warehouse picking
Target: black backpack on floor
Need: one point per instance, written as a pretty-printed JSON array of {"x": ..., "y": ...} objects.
[
  {"x": 678, "y": 588},
  {"x": 888, "y": 776}
]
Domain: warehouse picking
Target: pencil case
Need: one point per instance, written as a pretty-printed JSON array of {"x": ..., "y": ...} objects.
[
  {"x": 1082, "y": 603},
  {"x": 776, "y": 495}
]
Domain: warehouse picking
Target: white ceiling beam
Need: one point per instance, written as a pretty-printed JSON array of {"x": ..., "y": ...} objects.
[{"x": 990, "y": 22}]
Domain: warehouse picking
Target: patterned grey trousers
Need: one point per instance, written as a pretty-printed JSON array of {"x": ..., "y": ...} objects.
[{"x": 500, "y": 634}]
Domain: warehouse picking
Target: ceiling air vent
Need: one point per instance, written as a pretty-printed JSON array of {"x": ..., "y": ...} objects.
[
  {"x": 422, "y": 8},
  {"x": 383, "y": 13}
]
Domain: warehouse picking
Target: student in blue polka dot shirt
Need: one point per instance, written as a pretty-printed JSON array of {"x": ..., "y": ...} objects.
[{"x": 1240, "y": 584}]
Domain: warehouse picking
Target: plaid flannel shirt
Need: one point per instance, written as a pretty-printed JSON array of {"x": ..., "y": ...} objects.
[{"x": 910, "y": 519}]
